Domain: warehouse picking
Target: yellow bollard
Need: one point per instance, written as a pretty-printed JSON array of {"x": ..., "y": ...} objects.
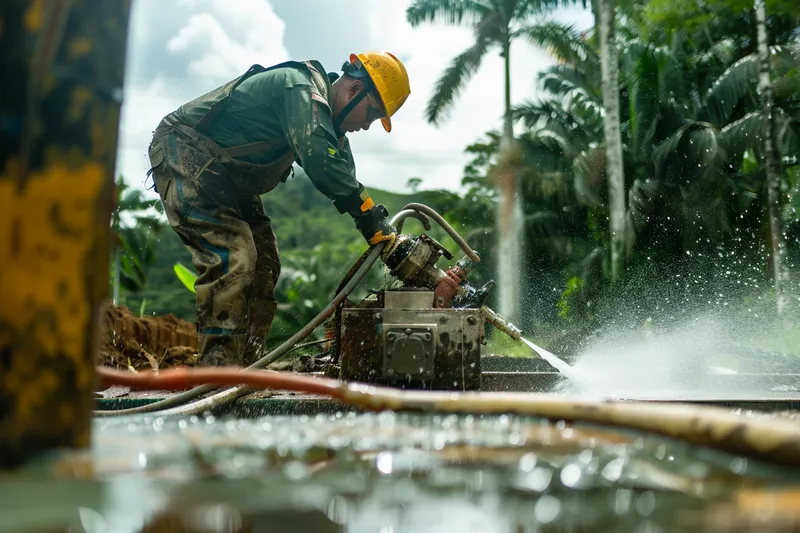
[{"x": 62, "y": 64}]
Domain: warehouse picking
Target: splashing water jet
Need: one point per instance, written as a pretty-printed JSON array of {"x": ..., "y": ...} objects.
[{"x": 576, "y": 377}]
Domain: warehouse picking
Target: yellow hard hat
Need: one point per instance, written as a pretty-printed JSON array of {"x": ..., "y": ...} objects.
[{"x": 390, "y": 78}]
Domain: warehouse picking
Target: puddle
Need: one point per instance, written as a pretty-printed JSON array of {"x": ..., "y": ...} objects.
[{"x": 391, "y": 473}]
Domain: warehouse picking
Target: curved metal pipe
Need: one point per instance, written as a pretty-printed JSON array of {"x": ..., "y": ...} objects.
[
  {"x": 413, "y": 214},
  {"x": 422, "y": 208}
]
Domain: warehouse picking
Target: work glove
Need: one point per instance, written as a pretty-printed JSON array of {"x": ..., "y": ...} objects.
[{"x": 374, "y": 225}]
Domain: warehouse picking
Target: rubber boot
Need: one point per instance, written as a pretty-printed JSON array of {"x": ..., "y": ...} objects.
[
  {"x": 220, "y": 350},
  {"x": 262, "y": 313},
  {"x": 254, "y": 349}
]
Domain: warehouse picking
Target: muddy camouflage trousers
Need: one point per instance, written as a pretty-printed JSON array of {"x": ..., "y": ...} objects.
[{"x": 222, "y": 222}]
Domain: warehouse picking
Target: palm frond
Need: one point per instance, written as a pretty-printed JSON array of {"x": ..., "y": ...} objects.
[
  {"x": 543, "y": 224},
  {"x": 546, "y": 151},
  {"x": 746, "y": 133},
  {"x": 738, "y": 81},
  {"x": 449, "y": 11},
  {"x": 641, "y": 197},
  {"x": 566, "y": 80},
  {"x": 703, "y": 138},
  {"x": 589, "y": 170},
  {"x": 551, "y": 115},
  {"x": 629, "y": 55},
  {"x": 526, "y": 8},
  {"x": 565, "y": 43},
  {"x": 643, "y": 110},
  {"x": 719, "y": 55},
  {"x": 453, "y": 80},
  {"x": 743, "y": 134}
]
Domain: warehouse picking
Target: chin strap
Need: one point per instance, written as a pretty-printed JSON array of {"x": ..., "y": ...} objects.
[{"x": 361, "y": 74}]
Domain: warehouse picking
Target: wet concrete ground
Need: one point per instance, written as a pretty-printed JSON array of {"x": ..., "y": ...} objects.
[{"x": 391, "y": 473}]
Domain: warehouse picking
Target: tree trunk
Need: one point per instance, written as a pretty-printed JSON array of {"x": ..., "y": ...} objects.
[
  {"x": 771, "y": 162},
  {"x": 509, "y": 210},
  {"x": 613, "y": 137},
  {"x": 61, "y": 63}
]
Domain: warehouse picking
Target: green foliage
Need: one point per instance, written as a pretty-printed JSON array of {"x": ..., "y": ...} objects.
[
  {"x": 566, "y": 302},
  {"x": 186, "y": 276},
  {"x": 136, "y": 227}
]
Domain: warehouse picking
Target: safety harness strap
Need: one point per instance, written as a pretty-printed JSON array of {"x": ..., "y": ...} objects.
[
  {"x": 207, "y": 120},
  {"x": 219, "y": 106},
  {"x": 253, "y": 148}
]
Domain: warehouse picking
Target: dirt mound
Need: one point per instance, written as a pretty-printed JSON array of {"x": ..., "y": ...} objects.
[{"x": 148, "y": 343}]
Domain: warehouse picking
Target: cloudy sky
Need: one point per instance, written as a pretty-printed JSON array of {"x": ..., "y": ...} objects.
[{"x": 179, "y": 49}]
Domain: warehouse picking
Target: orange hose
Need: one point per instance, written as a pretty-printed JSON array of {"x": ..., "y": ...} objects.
[{"x": 183, "y": 378}]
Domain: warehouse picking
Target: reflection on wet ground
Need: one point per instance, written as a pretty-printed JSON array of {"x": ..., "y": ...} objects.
[{"x": 392, "y": 473}]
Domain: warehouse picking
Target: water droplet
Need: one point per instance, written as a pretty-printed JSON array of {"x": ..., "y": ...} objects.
[
  {"x": 613, "y": 470},
  {"x": 527, "y": 462},
  {"x": 739, "y": 465},
  {"x": 384, "y": 463},
  {"x": 571, "y": 475},
  {"x": 547, "y": 509},
  {"x": 295, "y": 470},
  {"x": 622, "y": 501},
  {"x": 646, "y": 503}
]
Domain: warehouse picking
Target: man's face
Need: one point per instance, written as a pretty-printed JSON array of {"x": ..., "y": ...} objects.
[{"x": 368, "y": 110}]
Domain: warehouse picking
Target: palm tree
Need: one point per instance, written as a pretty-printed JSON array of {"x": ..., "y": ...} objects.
[
  {"x": 691, "y": 120},
  {"x": 496, "y": 23},
  {"x": 771, "y": 161},
  {"x": 613, "y": 136}
]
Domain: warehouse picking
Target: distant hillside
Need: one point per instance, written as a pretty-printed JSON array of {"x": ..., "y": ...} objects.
[{"x": 303, "y": 217}]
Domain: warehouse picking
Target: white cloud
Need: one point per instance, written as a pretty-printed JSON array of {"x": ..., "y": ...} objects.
[
  {"x": 254, "y": 35},
  {"x": 141, "y": 112},
  {"x": 218, "y": 41}
]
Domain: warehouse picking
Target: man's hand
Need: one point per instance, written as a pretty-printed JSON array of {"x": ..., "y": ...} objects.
[{"x": 375, "y": 227}]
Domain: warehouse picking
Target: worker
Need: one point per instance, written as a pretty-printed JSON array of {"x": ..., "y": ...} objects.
[{"x": 213, "y": 157}]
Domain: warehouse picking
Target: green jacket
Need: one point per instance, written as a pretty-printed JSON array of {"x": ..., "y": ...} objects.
[{"x": 286, "y": 104}]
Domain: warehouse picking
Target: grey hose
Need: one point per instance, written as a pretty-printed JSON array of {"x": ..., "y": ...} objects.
[
  {"x": 230, "y": 394},
  {"x": 422, "y": 208}
]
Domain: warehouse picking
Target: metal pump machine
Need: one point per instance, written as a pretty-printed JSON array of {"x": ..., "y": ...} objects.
[{"x": 425, "y": 334}]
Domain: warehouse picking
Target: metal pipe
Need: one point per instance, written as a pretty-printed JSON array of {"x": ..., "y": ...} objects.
[
  {"x": 501, "y": 323},
  {"x": 413, "y": 214},
  {"x": 422, "y": 208}
]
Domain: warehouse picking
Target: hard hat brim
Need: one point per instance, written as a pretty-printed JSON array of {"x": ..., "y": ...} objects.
[{"x": 386, "y": 121}]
